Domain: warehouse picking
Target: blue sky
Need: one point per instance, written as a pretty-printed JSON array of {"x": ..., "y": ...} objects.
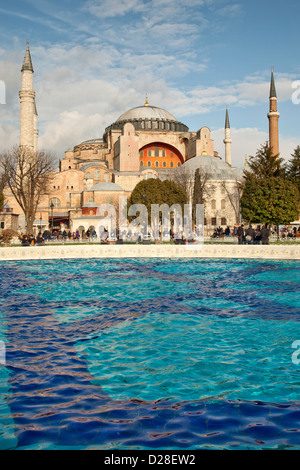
[{"x": 94, "y": 59}]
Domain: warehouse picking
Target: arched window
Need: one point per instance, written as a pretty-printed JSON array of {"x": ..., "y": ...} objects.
[
  {"x": 149, "y": 163},
  {"x": 157, "y": 164},
  {"x": 87, "y": 175},
  {"x": 171, "y": 164},
  {"x": 164, "y": 164},
  {"x": 213, "y": 204},
  {"x": 97, "y": 175},
  {"x": 55, "y": 202},
  {"x": 223, "y": 203}
]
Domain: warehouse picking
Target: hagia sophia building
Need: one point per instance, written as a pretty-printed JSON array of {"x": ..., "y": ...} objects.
[{"x": 144, "y": 142}]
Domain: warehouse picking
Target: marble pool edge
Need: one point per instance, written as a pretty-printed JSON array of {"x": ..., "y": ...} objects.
[{"x": 77, "y": 251}]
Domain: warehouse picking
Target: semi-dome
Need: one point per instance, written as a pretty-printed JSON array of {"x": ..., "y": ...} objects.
[{"x": 219, "y": 169}]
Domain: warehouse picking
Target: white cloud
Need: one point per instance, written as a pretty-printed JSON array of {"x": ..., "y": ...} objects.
[
  {"x": 9, "y": 135},
  {"x": 111, "y": 8},
  {"x": 246, "y": 141},
  {"x": 81, "y": 89},
  {"x": 69, "y": 129}
]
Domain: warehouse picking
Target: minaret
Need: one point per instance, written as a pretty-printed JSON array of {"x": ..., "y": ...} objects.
[
  {"x": 273, "y": 116},
  {"x": 227, "y": 141},
  {"x": 35, "y": 128},
  {"x": 28, "y": 114}
]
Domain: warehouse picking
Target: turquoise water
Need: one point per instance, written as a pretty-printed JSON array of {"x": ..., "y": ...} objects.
[{"x": 142, "y": 354}]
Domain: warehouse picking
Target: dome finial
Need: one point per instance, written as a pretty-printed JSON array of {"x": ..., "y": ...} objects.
[
  {"x": 246, "y": 161},
  {"x": 146, "y": 102}
]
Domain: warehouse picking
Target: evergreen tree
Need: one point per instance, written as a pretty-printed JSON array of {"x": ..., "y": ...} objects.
[
  {"x": 269, "y": 200},
  {"x": 198, "y": 196},
  {"x": 264, "y": 164},
  {"x": 293, "y": 168}
]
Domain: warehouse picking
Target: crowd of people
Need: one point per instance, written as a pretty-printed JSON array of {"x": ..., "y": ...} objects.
[
  {"x": 289, "y": 232},
  {"x": 251, "y": 236},
  {"x": 245, "y": 235},
  {"x": 57, "y": 235},
  {"x": 258, "y": 235}
]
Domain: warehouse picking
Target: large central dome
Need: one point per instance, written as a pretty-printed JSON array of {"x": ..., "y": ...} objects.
[
  {"x": 148, "y": 118},
  {"x": 146, "y": 112}
]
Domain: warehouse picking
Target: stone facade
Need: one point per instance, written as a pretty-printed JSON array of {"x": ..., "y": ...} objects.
[
  {"x": 9, "y": 219},
  {"x": 144, "y": 142}
]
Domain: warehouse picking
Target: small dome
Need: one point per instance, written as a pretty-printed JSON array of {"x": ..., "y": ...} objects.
[{"x": 106, "y": 187}]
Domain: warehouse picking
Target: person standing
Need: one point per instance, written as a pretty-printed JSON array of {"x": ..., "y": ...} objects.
[
  {"x": 265, "y": 234},
  {"x": 241, "y": 234},
  {"x": 249, "y": 235}
]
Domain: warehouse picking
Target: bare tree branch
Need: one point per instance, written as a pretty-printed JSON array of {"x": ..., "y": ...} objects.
[
  {"x": 28, "y": 175},
  {"x": 234, "y": 195}
]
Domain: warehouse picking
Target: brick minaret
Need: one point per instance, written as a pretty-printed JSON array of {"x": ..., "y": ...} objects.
[
  {"x": 273, "y": 116},
  {"x": 28, "y": 114},
  {"x": 227, "y": 141}
]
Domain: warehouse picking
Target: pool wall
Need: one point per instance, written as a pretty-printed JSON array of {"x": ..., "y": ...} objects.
[{"x": 150, "y": 251}]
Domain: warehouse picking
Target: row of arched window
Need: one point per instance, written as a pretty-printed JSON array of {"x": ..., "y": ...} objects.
[
  {"x": 97, "y": 176},
  {"x": 214, "y": 204},
  {"x": 213, "y": 221},
  {"x": 157, "y": 164},
  {"x": 155, "y": 152}
]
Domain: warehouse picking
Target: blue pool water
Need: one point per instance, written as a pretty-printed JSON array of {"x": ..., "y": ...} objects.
[{"x": 150, "y": 354}]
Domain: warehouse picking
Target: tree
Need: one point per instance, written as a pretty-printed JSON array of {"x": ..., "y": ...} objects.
[
  {"x": 269, "y": 200},
  {"x": 234, "y": 193},
  {"x": 155, "y": 191},
  {"x": 264, "y": 164},
  {"x": 293, "y": 168},
  {"x": 268, "y": 196},
  {"x": 184, "y": 178},
  {"x": 200, "y": 189},
  {"x": 7, "y": 235},
  {"x": 3, "y": 181},
  {"x": 1, "y": 202},
  {"x": 28, "y": 175}
]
